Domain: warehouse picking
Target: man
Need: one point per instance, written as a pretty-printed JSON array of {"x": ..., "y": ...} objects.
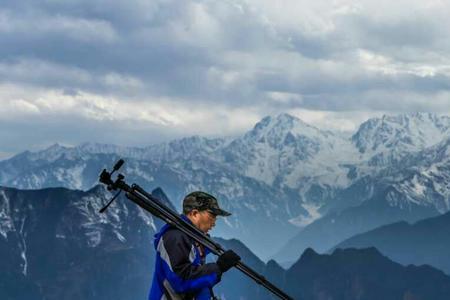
[{"x": 180, "y": 269}]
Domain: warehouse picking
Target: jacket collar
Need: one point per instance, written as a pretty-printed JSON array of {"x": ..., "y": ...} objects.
[{"x": 164, "y": 229}]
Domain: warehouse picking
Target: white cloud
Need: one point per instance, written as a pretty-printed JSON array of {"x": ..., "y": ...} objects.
[{"x": 164, "y": 112}]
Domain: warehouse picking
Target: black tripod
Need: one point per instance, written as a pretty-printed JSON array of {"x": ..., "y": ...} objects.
[{"x": 151, "y": 204}]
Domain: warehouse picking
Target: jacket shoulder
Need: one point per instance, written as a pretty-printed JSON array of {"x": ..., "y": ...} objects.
[{"x": 176, "y": 235}]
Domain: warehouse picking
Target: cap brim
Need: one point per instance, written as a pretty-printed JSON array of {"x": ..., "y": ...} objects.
[{"x": 220, "y": 212}]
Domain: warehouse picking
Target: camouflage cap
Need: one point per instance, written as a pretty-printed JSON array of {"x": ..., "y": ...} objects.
[{"x": 203, "y": 201}]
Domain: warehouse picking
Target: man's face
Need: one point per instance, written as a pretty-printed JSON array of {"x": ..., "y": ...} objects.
[{"x": 203, "y": 220}]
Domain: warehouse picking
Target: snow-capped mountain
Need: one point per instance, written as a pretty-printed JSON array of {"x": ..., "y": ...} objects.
[
  {"x": 275, "y": 147},
  {"x": 282, "y": 172},
  {"x": 427, "y": 179},
  {"x": 416, "y": 187},
  {"x": 385, "y": 140},
  {"x": 286, "y": 152}
]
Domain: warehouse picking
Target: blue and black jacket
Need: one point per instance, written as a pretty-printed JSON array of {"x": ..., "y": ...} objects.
[{"x": 180, "y": 269}]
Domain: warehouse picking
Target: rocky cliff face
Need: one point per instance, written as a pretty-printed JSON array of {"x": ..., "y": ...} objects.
[{"x": 55, "y": 244}]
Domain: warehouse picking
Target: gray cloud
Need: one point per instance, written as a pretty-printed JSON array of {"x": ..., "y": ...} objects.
[{"x": 225, "y": 59}]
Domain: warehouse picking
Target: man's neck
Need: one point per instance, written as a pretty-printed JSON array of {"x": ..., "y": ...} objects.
[{"x": 191, "y": 220}]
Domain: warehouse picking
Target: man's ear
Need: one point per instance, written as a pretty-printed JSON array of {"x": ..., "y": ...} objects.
[{"x": 194, "y": 213}]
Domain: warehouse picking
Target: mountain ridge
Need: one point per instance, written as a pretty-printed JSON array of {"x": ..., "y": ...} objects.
[
  {"x": 422, "y": 242},
  {"x": 283, "y": 172}
]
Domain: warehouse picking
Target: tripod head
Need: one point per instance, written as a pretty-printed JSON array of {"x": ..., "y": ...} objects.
[
  {"x": 111, "y": 185},
  {"x": 105, "y": 176}
]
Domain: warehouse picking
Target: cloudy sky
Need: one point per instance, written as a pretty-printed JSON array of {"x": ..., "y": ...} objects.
[{"x": 136, "y": 72}]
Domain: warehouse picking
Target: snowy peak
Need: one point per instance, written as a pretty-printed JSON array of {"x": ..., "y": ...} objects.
[
  {"x": 282, "y": 137},
  {"x": 405, "y": 132},
  {"x": 281, "y": 130},
  {"x": 284, "y": 150},
  {"x": 50, "y": 154}
]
